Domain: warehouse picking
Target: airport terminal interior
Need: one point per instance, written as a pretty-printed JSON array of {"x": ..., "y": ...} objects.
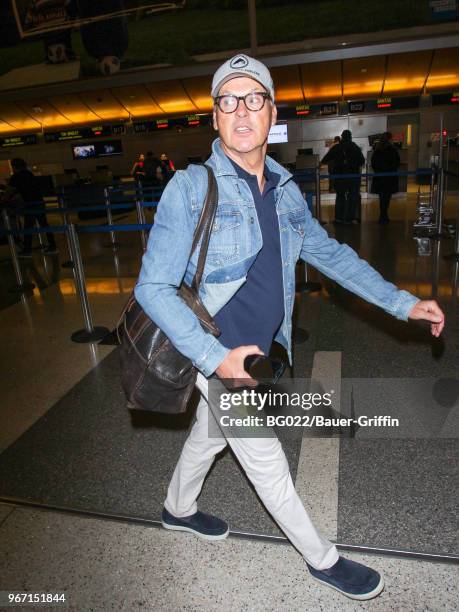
[{"x": 83, "y": 479}]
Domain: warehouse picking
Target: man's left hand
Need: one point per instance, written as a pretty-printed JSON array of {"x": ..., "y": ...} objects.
[{"x": 429, "y": 310}]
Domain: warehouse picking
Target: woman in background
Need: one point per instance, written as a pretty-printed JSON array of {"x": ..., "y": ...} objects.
[{"x": 138, "y": 171}]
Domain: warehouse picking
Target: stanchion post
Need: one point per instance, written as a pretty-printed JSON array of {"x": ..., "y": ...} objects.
[
  {"x": 432, "y": 184},
  {"x": 455, "y": 254},
  {"x": 40, "y": 236},
  {"x": 307, "y": 286},
  {"x": 435, "y": 268},
  {"x": 318, "y": 202},
  {"x": 141, "y": 215},
  {"x": 139, "y": 191},
  {"x": 440, "y": 199},
  {"x": 456, "y": 239},
  {"x": 21, "y": 286},
  {"x": 90, "y": 333},
  {"x": 65, "y": 222},
  {"x": 455, "y": 282},
  {"x": 109, "y": 217}
]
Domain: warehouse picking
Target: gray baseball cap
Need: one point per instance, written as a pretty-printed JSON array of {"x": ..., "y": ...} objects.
[{"x": 245, "y": 66}]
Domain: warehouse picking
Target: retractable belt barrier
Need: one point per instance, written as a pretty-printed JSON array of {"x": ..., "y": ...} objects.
[
  {"x": 313, "y": 175},
  {"x": 136, "y": 189},
  {"x": 92, "y": 333},
  {"x": 39, "y": 207},
  {"x": 312, "y": 172},
  {"x": 62, "y": 209},
  {"x": 94, "y": 229},
  {"x": 81, "y": 229}
]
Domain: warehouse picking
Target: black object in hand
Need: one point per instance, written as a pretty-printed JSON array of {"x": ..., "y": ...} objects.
[{"x": 261, "y": 367}]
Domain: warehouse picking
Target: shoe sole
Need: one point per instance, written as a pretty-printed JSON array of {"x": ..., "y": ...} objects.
[
  {"x": 371, "y": 595},
  {"x": 203, "y": 536}
]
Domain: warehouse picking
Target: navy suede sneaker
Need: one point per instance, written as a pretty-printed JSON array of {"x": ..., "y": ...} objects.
[
  {"x": 350, "y": 578},
  {"x": 203, "y": 525}
]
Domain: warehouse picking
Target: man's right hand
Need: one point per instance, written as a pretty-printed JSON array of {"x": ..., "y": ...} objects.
[{"x": 232, "y": 367}]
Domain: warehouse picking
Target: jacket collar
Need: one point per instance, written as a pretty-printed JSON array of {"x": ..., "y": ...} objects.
[{"x": 223, "y": 167}]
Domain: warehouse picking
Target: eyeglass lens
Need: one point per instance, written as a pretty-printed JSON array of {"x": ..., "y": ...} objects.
[{"x": 253, "y": 101}]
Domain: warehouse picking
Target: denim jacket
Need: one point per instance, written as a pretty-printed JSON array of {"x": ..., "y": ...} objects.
[{"x": 235, "y": 241}]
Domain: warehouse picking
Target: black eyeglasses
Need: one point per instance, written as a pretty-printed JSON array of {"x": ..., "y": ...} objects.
[{"x": 254, "y": 101}]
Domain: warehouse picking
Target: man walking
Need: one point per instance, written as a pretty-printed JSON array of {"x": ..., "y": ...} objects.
[{"x": 262, "y": 227}]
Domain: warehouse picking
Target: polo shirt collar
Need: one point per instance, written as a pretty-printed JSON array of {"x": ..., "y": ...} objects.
[
  {"x": 223, "y": 166},
  {"x": 272, "y": 178}
]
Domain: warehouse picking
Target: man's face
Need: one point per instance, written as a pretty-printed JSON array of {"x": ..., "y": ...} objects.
[{"x": 244, "y": 131}]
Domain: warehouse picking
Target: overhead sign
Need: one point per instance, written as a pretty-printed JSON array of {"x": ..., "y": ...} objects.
[
  {"x": 329, "y": 109},
  {"x": 79, "y": 133},
  {"x": 166, "y": 124},
  {"x": 142, "y": 127},
  {"x": 118, "y": 129},
  {"x": 445, "y": 98},
  {"x": 99, "y": 130},
  {"x": 303, "y": 109},
  {"x": 403, "y": 103},
  {"x": 384, "y": 103},
  {"x": 356, "y": 107},
  {"x": 193, "y": 120},
  {"x": 18, "y": 141},
  {"x": 161, "y": 124},
  {"x": 35, "y": 17}
]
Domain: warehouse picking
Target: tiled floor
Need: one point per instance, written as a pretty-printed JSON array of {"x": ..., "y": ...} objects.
[{"x": 105, "y": 565}]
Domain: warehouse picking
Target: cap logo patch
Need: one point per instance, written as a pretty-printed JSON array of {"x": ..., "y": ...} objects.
[{"x": 239, "y": 62}]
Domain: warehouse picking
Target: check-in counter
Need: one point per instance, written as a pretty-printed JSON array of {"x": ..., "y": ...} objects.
[{"x": 305, "y": 163}]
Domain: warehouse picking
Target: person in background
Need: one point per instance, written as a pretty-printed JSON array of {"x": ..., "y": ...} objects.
[
  {"x": 167, "y": 169},
  {"x": 347, "y": 158},
  {"x": 137, "y": 170},
  {"x": 331, "y": 181},
  {"x": 385, "y": 158},
  {"x": 12, "y": 200},
  {"x": 150, "y": 180},
  {"x": 26, "y": 185},
  {"x": 150, "y": 166}
]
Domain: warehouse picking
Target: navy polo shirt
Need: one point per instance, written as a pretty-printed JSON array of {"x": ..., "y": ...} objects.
[{"x": 255, "y": 312}]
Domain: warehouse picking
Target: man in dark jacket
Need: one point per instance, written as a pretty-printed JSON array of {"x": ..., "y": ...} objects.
[
  {"x": 26, "y": 185},
  {"x": 150, "y": 168},
  {"x": 347, "y": 158},
  {"x": 331, "y": 167},
  {"x": 385, "y": 159}
]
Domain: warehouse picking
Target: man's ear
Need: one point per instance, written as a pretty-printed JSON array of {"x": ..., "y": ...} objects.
[
  {"x": 274, "y": 115},
  {"x": 214, "y": 120}
]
